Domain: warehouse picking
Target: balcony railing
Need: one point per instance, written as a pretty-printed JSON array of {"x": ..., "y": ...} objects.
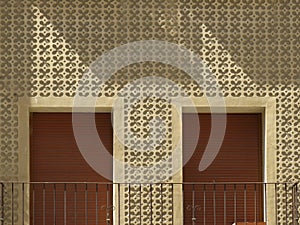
[{"x": 78, "y": 203}]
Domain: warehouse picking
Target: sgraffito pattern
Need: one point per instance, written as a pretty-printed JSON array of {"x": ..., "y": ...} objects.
[{"x": 251, "y": 47}]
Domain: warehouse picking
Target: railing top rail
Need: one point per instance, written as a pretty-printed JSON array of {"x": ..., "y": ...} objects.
[{"x": 145, "y": 183}]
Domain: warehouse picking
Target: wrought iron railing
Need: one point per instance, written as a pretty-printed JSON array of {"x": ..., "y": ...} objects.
[{"x": 78, "y": 203}]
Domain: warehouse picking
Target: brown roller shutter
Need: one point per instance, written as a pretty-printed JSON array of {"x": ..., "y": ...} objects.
[
  {"x": 55, "y": 157},
  {"x": 239, "y": 160}
]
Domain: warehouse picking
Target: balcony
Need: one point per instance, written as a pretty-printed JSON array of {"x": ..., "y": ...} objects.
[{"x": 43, "y": 203}]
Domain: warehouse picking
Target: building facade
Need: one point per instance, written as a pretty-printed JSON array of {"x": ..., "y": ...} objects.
[{"x": 133, "y": 58}]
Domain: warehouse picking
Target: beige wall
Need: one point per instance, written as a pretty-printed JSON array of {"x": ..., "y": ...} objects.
[{"x": 250, "y": 49}]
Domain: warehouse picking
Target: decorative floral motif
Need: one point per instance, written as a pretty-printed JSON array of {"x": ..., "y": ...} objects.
[{"x": 251, "y": 47}]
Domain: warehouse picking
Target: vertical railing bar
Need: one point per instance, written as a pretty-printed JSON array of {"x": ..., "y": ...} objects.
[
  {"x": 296, "y": 203},
  {"x": 2, "y": 203},
  {"x": 140, "y": 204},
  {"x": 266, "y": 205},
  {"x": 23, "y": 190},
  {"x": 86, "y": 204},
  {"x": 12, "y": 203},
  {"x": 161, "y": 201},
  {"x": 297, "y": 209},
  {"x": 107, "y": 205},
  {"x": 129, "y": 207},
  {"x": 293, "y": 205},
  {"x": 65, "y": 204},
  {"x": 44, "y": 205},
  {"x": 255, "y": 204},
  {"x": 286, "y": 204},
  {"x": 245, "y": 203},
  {"x": 119, "y": 204},
  {"x": 214, "y": 204},
  {"x": 33, "y": 205},
  {"x": 234, "y": 200},
  {"x": 193, "y": 204},
  {"x": 276, "y": 201},
  {"x": 54, "y": 203},
  {"x": 151, "y": 204},
  {"x": 183, "y": 200},
  {"x": 97, "y": 204},
  {"x": 75, "y": 203},
  {"x": 224, "y": 204},
  {"x": 204, "y": 204},
  {"x": 172, "y": 202}
]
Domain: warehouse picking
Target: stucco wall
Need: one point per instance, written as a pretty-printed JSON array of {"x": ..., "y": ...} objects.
[{"x": 250, "y": 49}]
